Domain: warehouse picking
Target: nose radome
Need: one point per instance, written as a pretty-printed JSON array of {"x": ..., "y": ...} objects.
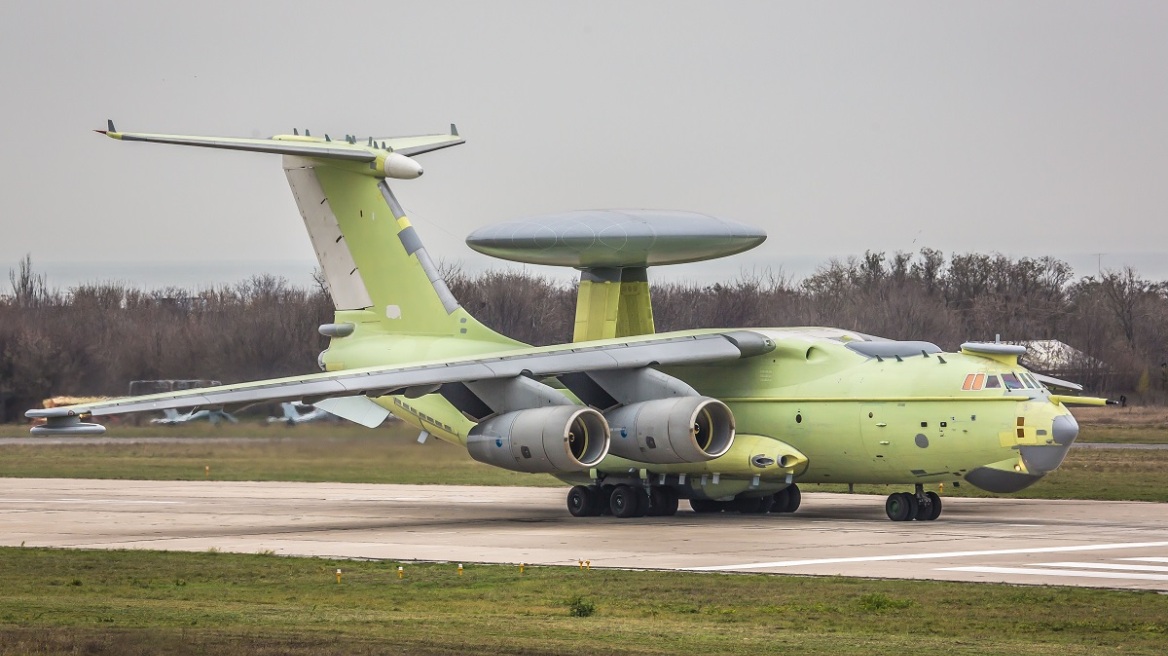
[{"x": 1065, "y": 429}]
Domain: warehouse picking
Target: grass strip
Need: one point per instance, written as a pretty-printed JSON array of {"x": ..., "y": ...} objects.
[
  {"x": 139, "y": 602},
  {"x": 392, "y": 455}
]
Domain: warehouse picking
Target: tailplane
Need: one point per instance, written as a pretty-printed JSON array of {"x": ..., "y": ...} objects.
[{"x": 374, "y": 263}]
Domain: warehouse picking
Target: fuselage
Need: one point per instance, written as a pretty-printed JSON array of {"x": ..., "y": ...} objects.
[{"x": 820, "y": 406}]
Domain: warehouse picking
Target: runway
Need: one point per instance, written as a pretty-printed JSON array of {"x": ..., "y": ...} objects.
[{"x": 1025, "y": 541}]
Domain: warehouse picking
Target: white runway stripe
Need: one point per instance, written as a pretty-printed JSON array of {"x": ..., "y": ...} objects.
[
  {"x": 1066, "y": 573},
  {"x": 1129, "y": 568},
  {"x": 942, "y": 554},
  {"x": 1146, "y": 560}
]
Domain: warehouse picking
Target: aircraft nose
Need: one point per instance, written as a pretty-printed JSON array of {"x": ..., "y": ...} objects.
[{"x": 1065, "y": 430}]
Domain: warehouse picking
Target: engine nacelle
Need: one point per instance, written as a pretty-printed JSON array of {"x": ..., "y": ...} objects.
[
  {"x": 400, "y": 167},
  {"x": 672, "y": 431},
  {"x": 561, "y": 438}
]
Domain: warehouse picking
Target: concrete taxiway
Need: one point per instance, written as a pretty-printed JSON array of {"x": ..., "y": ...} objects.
[{"x": 1085, "y": 543}]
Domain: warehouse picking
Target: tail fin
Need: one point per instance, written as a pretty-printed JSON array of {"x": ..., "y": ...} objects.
[
  {"x": 371, "y": 256},
  {"x": 373, "y": 261}
]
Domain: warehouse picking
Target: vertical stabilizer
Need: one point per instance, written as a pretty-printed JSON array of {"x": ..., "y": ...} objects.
[
  {"x": 373, "y": 261},
  {"x": 372, "y": 258}
]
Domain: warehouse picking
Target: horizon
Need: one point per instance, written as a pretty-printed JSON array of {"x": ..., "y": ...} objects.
[{"x": 198, "y": 275}]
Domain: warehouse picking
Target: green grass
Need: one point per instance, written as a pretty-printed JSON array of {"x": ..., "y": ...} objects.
[
  {"x": 61, "y": 601},
  {"x": 351, "y": 454},
  {"x": 1124, "y": 434},
  {"x": 318, "y": 452}
]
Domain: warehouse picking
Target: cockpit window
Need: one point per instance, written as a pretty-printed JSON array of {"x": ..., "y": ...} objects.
[
  {"x": 992, "y": 382},
  {"x": 1011, "y": 381},
  {"x": 1028, "y": 381}
]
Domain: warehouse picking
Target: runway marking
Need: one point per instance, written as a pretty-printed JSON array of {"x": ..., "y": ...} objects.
[
  {"x": 923, "y": 556},
  {"x": 1129, "y": 568},
  {"x": 1073, "y": 573},
  {"x": 1146, "y": 560}
]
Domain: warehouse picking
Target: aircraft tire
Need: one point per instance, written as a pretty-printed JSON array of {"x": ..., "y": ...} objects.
[
  {"x": 642, "y": 500},
  {"x": 795, "y": 497},
  {"x": 662, "y": 502},
  {"x": 900, "y": 507},
  {"x": 752, "y": 505},
  {"x": 583, "y": 501},
  {"x": 604, "y": 499},
  {"x": 705, "y": 505},
  {"x": 782, "y": 499},
  {"x": 934, "y": 507},
  {"x": 914, "y": 506},
  {"x": 626, "y": 502}
]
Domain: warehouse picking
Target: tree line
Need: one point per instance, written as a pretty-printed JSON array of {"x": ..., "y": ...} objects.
[{"x": 93, "y": 339}]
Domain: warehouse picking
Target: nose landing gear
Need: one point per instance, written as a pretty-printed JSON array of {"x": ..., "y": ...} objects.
[{"x": 922, "y": 506}]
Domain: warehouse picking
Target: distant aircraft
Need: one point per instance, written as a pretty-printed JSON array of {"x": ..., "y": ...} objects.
[
  {"x": 730, "y": 419},
  {"x": 295, "y": 414},
  {"x": 171, "y": 417}
]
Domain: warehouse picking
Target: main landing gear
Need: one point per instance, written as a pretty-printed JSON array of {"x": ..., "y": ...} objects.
[
  {"x": 922, "y": 506},
  {"x": 622, "y": 501},
  {"x": 785, "y": 500}
]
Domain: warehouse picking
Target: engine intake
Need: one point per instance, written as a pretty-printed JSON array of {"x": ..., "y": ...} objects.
[
  {"x": 563, "y": 438},
  {"x": 672, "y": 431}
]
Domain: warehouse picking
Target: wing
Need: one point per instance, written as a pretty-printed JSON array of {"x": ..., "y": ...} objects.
[{"x": 426, "y": 377}]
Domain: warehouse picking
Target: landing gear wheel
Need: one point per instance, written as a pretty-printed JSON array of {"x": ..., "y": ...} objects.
[
  {"x": 901, "y": 507},
  {"x": 782, "y": 499},
  {"x": 705, "y": 505},
  {"x": 583, "y": 501},
  {"x": 914, "y": 506},
  {"x": 604, "y": 499},
  {"x": 626, "y": 502},
  {"x": 933, "y": 509},
  {"x": 753, "y": 505},
  {"x": 662, "y": 502},
  {"x": 787, "y": 500}
]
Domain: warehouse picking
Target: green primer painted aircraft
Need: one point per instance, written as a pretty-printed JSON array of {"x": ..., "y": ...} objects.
[{"x": 635, "y": 420}]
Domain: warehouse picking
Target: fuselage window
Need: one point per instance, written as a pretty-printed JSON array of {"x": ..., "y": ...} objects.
[
  {"x": 1011, "y": 381},
  {"x": 973, "y": 382},
  {"x": 992, "y": 382}
]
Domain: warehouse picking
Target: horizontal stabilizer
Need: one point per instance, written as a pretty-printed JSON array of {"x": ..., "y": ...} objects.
[
  {"x": 350, "y": 149},
  {"x": 323, "y": 150}
]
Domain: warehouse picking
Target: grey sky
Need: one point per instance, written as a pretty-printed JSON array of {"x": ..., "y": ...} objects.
[{"x": 1029, "y": 128}]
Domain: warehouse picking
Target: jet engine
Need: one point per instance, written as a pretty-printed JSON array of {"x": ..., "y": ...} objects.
[
  {"x": 672, "y": 431},
  {"x": 562, "y": 438}
]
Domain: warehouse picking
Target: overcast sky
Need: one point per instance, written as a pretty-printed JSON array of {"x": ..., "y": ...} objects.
[{"x": 1028, "y": 128}]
